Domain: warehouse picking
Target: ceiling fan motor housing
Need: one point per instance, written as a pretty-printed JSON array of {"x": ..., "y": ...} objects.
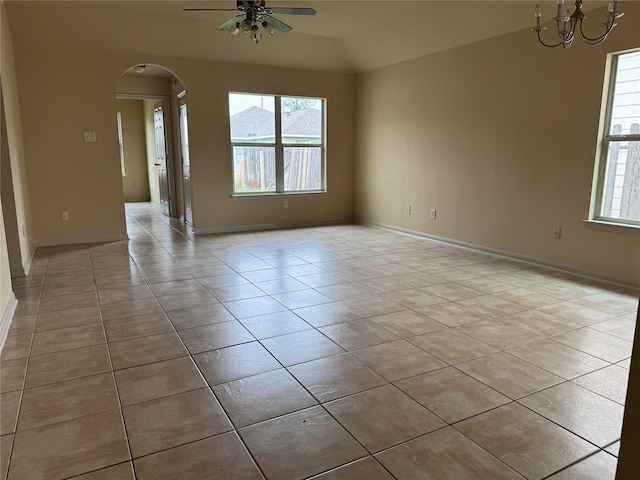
[{"x": 244, "y": 5}]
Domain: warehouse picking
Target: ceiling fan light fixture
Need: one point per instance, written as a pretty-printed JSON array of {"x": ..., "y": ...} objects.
[
  {"x": 255, "y": 33},
  {"x": 245, "y": 26},
  {"x": 254, "y": 14},
  {"x": 269, "y": 28}
]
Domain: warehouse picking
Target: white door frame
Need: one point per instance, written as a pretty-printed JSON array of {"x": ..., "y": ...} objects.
[
  {"x": 185, "y": 169},
  {"x": 166, "y": 109}
]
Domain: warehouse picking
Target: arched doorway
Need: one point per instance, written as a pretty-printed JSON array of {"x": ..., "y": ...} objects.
[{"x": 153, "y": 136}]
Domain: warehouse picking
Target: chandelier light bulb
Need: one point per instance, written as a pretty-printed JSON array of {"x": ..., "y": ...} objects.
[{"x": 538, "y": 14}]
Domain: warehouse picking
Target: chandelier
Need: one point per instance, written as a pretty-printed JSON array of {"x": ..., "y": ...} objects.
[{"x": 567, "y": 24}]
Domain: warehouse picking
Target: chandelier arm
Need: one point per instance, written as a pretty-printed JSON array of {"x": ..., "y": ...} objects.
[
  {"x": 598, "y": 40},
  {"x": 546, "y": 44},
  {"x": 567, "y": 36}
]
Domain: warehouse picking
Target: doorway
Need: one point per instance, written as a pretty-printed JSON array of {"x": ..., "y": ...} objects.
[
  {"x": 161, "y": 158},
  {"x": 160, "y": 97},
  {"x": 186, "y": 163}
]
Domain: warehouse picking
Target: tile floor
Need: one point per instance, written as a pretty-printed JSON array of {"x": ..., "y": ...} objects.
[{"x": 342, "y": 352}]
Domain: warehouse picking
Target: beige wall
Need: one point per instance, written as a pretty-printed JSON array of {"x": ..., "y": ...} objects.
[
  {"x": 144, "y": 85},
  {"x": 211, "y": 168},
  {"x": 12, "y": 146},
  {"x": 21, "y": 214},
  {"x": 84, "y": 178},
  {"x": 62, "y": 96},
  {"x": 499, "y": 137},
  {"x": 135, "y": 182}
]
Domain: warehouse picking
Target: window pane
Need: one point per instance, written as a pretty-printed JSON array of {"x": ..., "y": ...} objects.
[
  {"x": 625, "y": 111},
  {"x": 302, "y": 169},
  {"x": 301, "y": 120},
  {"x": 252, "y": 118},
  {"x": 254, "y": 169},
  {"x": 621, "y": 189}
]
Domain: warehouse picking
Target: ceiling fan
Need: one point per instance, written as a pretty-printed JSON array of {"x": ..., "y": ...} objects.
[{"x": 255, "y": 13}]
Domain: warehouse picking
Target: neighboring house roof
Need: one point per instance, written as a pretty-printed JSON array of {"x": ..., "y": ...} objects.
[
  {"x": 252, "y": 122},
  {"x": 257, "y": 122},
  {"x": 306, "y": 123}
]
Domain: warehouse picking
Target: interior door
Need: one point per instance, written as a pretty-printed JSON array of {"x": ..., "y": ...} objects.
[
  {"x": 186, "y": 166},
  {"x": 161, "y": 157}
]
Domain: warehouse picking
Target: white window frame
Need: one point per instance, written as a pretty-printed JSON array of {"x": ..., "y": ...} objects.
[
  {"x": 605, "y": 138},
  {"x": 280, "y": 146}
]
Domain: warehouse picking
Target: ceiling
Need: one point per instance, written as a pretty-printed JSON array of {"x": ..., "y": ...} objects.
[{"x": 344, "y": 36}]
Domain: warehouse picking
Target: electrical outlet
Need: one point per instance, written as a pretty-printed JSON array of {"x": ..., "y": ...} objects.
[
  {"x": 90, "y": 137},
  {"x": 556, "y": 233},
  {"x": 65, "y": 216},
  {"x": 408, "y": 209},
  {"x": 433, "y": 213},
  {"x": 286, "y": 204}
]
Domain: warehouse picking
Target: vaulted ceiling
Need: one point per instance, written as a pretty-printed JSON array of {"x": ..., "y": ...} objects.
[{"x": 344, "y": 36}]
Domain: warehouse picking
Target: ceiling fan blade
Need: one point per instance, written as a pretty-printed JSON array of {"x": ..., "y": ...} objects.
[
  {"x": 277, "y": 24},
  {"x": 231, "y": 23},
  {"x": 209, "y": 9},
  {"x": 291, "y": 11}
]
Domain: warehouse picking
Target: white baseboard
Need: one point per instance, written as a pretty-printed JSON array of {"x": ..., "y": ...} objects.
[
  {"x": 268, "y": 226},
  {"x": 29, "y": 260},
  {"x": 510, "y": 255},
  {"x": 69, "y": 241},
  {"x": 7, "y": 318},
  {"x": 23, "y": 270}
]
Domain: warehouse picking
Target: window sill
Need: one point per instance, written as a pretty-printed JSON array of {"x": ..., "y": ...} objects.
[
  {"x": 612, "y": 227},
  {"x": 275, "y": 194}
]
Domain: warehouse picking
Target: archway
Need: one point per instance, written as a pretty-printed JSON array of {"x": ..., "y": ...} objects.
[{"x": 153, "y": 134}]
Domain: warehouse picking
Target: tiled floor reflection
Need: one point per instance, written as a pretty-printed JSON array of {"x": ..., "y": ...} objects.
[{"x": 342, "y": 352}]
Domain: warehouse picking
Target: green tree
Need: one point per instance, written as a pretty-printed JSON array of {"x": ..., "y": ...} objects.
[{"x": 294, "y": 104}]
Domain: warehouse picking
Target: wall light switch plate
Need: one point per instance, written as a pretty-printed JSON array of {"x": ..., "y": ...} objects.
[{"x": 90, "y": 137}]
